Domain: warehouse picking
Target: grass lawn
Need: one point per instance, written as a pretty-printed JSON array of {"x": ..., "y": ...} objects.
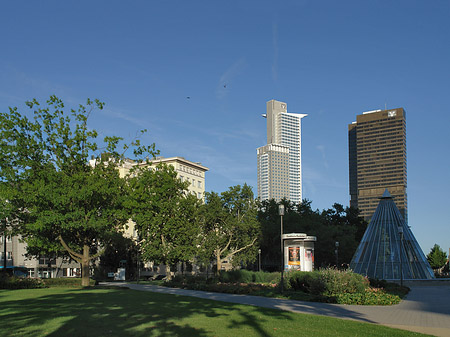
[{"x": 123, "y": 312}]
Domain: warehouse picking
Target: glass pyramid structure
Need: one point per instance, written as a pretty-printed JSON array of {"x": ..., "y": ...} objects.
[{"x": 389, "y": 248}]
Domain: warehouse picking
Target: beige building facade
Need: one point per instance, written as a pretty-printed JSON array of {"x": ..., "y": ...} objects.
[{"x": 193, "y": 173}]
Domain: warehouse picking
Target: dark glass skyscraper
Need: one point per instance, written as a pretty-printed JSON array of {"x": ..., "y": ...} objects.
[{"x": 377, "y": 159}]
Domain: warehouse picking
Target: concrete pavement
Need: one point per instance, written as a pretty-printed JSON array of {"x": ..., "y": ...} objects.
[{"x": 426, "y": 309}]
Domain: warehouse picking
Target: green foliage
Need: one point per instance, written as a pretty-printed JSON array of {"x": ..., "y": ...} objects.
[
  {"x": 64, "y": 282},
  {"x": 165, "y": 214},
  {"x": 13, "y": 282},
  {"x": 437, "y": 257},
  {"x": 335, "y": 224},
  {"x": 229, "y": 227},
  {"x": 307, "y": 282},
  {"x": 119, "y": 248},
  {"x": 342, "y": 281},
  {"x": 60, "y": 204},
  {"x": 247, "y": 276},
  {"x": 326, "y": 285},
  {"x": 370, "y": 296}
]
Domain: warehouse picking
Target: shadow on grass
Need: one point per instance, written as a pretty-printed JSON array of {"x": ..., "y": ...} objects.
[
  {"x": 315, "y": 308},
  {"x": 120, "y": 312}
]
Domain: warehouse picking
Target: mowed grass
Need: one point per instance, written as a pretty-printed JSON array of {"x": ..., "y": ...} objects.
[{"x": 123, "y": 312}]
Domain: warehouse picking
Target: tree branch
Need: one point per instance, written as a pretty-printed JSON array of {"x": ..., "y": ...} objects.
[
  {"x": 93, "y": 257},
  {"x": 72, "y": 253},
  {"x": 241, "y": 249}
]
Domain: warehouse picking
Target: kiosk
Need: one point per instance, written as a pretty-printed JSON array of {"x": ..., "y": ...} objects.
[{"x": 298, "y": 252}]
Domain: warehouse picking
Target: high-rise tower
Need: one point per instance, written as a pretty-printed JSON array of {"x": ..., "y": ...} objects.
[
  {"x": 279, "y": 162},
  {"x": 377, "y": 159}
]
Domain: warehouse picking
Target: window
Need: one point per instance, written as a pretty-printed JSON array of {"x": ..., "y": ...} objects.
[{"x": 199, "y": 184}]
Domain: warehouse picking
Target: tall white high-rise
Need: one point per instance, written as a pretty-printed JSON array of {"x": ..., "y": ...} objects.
[{"x": 280, "y": 161}]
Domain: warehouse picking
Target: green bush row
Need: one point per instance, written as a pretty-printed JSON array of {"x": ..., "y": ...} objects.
[
  {"x": 247, "y": 276},
  {"x": 232, "y": 276},
  {"x": 328, "y": 282},
  {"x": 65, "y": 282},
  {"x": 325, "y": 285},
  {"x": 13, "y": 282}
]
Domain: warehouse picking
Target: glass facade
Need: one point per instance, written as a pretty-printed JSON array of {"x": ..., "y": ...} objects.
[{"x": 389, "y": 248}]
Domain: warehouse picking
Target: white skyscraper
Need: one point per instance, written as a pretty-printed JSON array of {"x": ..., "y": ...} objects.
[{"x": 280, "y": 161}]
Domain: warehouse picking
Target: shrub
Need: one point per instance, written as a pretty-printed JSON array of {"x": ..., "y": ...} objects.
[
  {"x": 65, "y": 282},
  {"x": 370, "y": 296},
  {"x": 13, "y": 282},
  {"x": 342, "y": 281},
  {"x": 246, "y": 276},
  {"x": 308, "y": 282}
]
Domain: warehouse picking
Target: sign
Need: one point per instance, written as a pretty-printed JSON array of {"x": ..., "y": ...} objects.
[{"x": 294, "y": 256}]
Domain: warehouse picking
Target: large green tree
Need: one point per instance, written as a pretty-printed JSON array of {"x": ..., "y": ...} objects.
[
  {"x": 63, "y": 205},
  {"x": 437, "y": 257},
  {"x": 165, "y": 214},
  {"x": 230, "y": 229}
]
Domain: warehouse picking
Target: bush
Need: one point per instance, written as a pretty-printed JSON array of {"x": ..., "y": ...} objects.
[
  {"x": 13, "y": 282},
  {"x": 342, "y": 282},
  {"x": 308, "y": 282},
  {"x": 371, "y": 296},
  {"x": 246, "y": 276},
  {"x": 65, "y": 282}
]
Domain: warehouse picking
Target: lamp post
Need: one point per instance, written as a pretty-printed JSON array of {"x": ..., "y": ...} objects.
[
  {"x": 4, "y": 243},
  {"x": 281, "y": 213},
  {"x": 259, "y": 265},
  {"x": 400, "y": 231},
  {"x": 336, "y": 251},
  {"x": 4, "y": 250}
]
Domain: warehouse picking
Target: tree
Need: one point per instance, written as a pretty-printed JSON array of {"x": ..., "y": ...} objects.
[
  {"x": 437, "y": 258},
  {"x": 334, "y": 224},
  {"x": 165, "y": 214},
  {"x": 230, "y": 229},
  {"x": 63, "y": 205}
]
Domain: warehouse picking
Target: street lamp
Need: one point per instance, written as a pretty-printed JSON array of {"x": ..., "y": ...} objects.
[
  {"x": 400, "y": 231},
  {"x": 281, "y": 213},
  {"x": 336, "y": 251},
  {"x": 138, "y": 265},
  {"x": 259, "y": 253}
]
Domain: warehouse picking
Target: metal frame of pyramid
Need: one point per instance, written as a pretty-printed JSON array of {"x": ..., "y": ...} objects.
[{"x": 384, "y": 254}]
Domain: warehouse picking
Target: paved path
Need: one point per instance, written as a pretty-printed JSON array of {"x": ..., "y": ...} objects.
[{"x": 426, "y": 309}]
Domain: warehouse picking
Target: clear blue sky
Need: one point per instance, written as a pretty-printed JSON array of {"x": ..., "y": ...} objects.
[{"x": 329, "y": 59}]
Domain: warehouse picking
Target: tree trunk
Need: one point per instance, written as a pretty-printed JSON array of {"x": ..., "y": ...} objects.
[
  {"x": 85, "y": 272},
  {"x": 218, "y": 261}
]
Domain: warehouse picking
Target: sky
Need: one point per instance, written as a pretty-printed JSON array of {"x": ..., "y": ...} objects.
[{"x": 197, "y": 75}]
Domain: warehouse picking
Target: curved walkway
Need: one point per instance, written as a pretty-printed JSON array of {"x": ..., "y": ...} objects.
[{"x": 426, "y": 309}]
